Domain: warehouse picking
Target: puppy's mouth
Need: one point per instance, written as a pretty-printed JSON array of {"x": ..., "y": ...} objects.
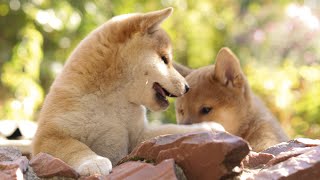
[{"x": 162, "y": 94}]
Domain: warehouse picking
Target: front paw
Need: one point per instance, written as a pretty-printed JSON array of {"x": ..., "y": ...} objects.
[
  {"x": 96, "y": 165},
  {"x": 212, "y": 126}
]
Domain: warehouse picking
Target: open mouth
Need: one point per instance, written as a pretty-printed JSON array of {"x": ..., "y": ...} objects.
[{"x": 161, "y": 94}]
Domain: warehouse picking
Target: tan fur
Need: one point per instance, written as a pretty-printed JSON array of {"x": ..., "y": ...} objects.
[
  {"x": 95, "y": 111},
  {"x": 224, "y": 88}
]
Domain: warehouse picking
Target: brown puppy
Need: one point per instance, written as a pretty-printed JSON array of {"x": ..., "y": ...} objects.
[{"x": 221, "y": 93}]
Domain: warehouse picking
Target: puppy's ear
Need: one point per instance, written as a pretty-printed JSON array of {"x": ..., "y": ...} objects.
[
  {"x": 227, "y": 69},
  {"x": 151, "y": 21},
  {"x": 183, "y": 70}
]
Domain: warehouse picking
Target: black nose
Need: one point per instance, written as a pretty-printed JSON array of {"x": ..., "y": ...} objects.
[{"x": 186, "y": 87}]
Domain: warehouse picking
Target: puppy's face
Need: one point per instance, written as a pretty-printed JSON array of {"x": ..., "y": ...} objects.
[
  {"x": 217, "y": 93},
  {"x": 149, "y": 54}
]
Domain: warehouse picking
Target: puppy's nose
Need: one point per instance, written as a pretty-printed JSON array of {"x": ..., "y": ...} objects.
[{"x": 186, "y": 87}]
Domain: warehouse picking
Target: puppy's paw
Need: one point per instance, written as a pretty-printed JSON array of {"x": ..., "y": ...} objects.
[
  {"x": 212, "y": 126},
  {"x": 96, "y": 165}
]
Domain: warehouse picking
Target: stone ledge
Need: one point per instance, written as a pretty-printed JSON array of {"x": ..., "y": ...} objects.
[{"x": 199, "y": 155}]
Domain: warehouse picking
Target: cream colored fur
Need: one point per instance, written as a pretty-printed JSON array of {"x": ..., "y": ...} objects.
[
  {"x": 95, "y": 111},
  {"x": 220, "y": 93}
]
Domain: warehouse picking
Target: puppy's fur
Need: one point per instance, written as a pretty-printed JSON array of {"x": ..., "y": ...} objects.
[
  {"x": 95, "y": 111},
  {"x": 221, "y": 93}
]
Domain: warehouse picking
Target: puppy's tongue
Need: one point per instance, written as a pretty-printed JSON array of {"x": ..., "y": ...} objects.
[{"x": 159, "y": 89}]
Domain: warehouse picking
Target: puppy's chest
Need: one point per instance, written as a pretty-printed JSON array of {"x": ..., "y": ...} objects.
[{"x": 112, "y": 113}]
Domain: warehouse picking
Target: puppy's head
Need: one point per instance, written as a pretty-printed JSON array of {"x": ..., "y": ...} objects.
[
  {"x": 217, "y": 93},
  {"x": 146, "y": 54}
]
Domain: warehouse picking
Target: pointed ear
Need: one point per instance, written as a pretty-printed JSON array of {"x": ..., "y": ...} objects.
[
  {"x": 183, "y": 70},
  {"x": 151, "y": 21},
  {"x": 227, "y": 69}
]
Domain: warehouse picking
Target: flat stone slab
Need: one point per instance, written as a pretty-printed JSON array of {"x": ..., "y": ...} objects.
[
  {"x": 205, "y": 155},
  {"x": 45, "y": 165},
  {"x": 305, "y": 166},
  {"x": 295, "y": 143}
]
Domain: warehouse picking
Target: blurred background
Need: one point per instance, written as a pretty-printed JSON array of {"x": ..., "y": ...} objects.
[{"x": 277, "y": 42}]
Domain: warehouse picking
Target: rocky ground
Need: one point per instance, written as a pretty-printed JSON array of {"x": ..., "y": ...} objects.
[{"x": 194, "y": 156}]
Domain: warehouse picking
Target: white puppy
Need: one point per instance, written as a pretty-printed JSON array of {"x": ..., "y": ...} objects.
[{"x": 95, "y": 111}]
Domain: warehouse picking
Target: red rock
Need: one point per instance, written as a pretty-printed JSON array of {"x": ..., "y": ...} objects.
[
  {"x": 9, "y": 154},
  {"x": 92, "y": 177},
  {"x": 135, "y": 170},
  {"x": 13, "y": 169},
  {"x": 305, "y": 166},
  {"x": 14, "y": 173},
  {"x": 45, "y": 165},
  {"x": 20, "y": 163},
  {"x": 287, "y": 146},
  {"x": 205, "y": 155},
  {"x": 254, "y": 159},
  {"x": 286, "y": 155},
  {"x": 308, "y": 142},
  {"x": 12, "y": 164},
  {"x": 6, "y": 175}
]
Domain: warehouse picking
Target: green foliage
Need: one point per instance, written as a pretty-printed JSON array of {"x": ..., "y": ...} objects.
[
  {"x": 21, "y": 75},
  {"x": 276, "y": 41}
]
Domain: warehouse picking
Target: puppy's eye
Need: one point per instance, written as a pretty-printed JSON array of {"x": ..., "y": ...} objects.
[
  {"x": 164, "y": 59},
  {"x": 205, "y": 110}
]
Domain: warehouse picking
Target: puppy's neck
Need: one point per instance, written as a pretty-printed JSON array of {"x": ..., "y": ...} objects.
[{"x": 256, "y": 114}]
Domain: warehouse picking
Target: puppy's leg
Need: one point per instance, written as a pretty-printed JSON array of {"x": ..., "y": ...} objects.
[
  {"x": 265, "y": 136},
  {"x": 75, "y": 153},
  {"x": 153, "y": 131},
  {"x": 262, "y": 141}
]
